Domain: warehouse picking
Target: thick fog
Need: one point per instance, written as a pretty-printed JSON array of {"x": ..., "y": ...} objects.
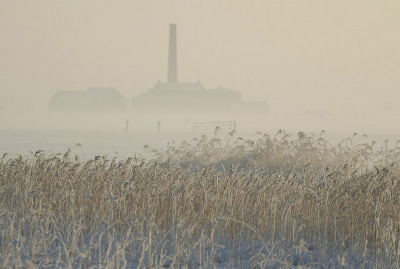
[{"x": 318, "y": 65}]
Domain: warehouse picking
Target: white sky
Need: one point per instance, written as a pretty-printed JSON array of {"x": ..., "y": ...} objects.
[{"x": 339, "y": 56}]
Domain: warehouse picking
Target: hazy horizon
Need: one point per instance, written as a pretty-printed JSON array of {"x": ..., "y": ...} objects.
[{"x": 302, "y": 58}]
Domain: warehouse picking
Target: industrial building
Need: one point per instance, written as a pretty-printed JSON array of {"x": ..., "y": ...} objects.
[
  {"x": 93, "y": 99},
  {"x": 190, "y": 99}
]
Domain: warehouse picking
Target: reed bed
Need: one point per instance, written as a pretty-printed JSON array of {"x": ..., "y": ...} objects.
[{"x": 276, "y": 202}]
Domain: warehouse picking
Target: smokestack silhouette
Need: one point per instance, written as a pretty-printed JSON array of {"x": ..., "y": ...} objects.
[{"x": 172, "y": 56}]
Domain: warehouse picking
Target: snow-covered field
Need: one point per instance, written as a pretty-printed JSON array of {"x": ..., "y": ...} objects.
[{"x": 93, "y": 143}]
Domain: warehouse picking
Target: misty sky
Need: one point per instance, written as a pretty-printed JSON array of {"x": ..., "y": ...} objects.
[{"x": 341, "y": 57}]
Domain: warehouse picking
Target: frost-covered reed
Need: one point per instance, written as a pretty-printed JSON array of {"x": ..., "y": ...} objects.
[{"x": 276, "y": 202}]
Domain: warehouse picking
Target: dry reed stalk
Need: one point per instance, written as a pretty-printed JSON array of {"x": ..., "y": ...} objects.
[{"x": 59, "y": 210}]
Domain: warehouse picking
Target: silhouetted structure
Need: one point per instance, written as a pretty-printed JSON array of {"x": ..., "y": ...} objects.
[
  {"x": 172, "y": 56},
  {"x": 190, "y": 98},
  {"x": 93, "y": 99}
]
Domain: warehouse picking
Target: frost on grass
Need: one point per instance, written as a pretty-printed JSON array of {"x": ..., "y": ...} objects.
[{"x": 278, "y": 202}]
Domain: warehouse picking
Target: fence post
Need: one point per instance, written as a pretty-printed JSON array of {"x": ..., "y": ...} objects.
[{"x": 126, "y": 126}]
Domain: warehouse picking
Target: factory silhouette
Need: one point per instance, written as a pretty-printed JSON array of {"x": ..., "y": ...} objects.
[
  {"x": 172, "y": 98},
  {"x": 93, "y": 99},
  {"x": 191, "y": 99}
]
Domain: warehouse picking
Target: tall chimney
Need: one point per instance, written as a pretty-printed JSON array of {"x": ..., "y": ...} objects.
[{"x": 172, "y": 57}]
